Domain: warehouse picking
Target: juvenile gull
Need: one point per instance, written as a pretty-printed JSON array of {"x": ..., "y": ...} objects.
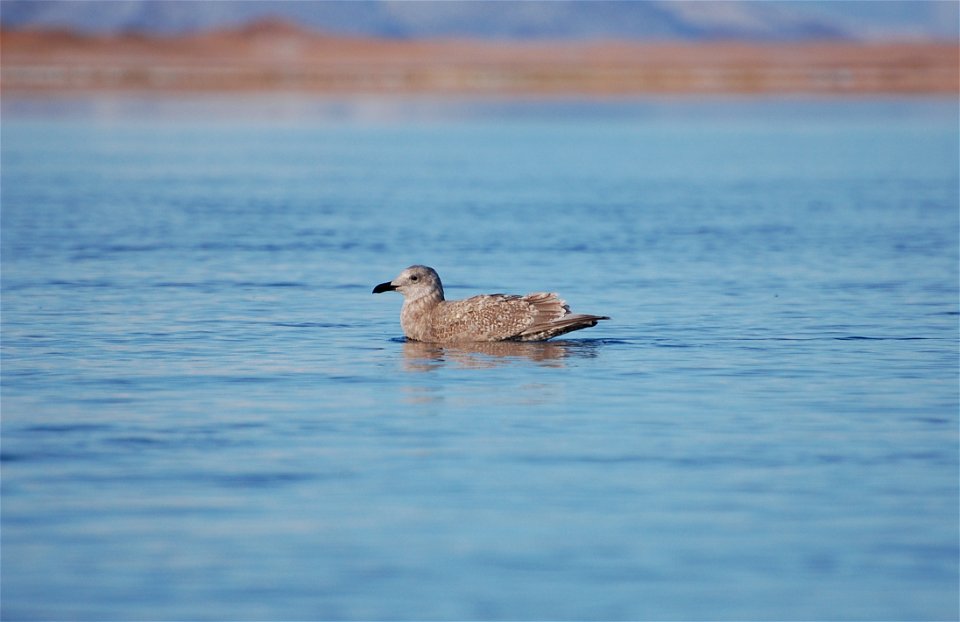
[{"x": 426, "y": 316}]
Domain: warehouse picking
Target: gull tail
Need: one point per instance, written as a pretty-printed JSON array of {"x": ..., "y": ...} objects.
[
  {"x": 553, "y": 318},
  {"x": 566, "y": 324}
]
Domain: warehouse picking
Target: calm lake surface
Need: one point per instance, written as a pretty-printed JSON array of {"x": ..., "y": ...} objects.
[{"x": 206, "y": 414}]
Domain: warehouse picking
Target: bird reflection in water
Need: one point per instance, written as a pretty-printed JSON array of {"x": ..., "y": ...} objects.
[{"x": 421, "y": 356}]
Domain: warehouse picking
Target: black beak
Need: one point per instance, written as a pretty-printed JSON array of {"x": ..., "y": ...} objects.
[{"x": 383, "y": 287}]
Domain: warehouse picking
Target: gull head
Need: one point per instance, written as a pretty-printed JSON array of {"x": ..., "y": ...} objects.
[{"x": 414, "y": 282}]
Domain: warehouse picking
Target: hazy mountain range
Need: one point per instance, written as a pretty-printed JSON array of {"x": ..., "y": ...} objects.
[{"x": 575, "y": 19}]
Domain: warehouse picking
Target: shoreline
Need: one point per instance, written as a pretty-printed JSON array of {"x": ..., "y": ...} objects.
[{"x": 278, "y": 58}]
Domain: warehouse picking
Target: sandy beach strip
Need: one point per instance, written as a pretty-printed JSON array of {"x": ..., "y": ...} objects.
[{"x": 271, "y": 57}]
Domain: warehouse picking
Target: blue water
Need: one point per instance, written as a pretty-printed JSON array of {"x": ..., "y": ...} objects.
[{"x": 206, "y": 414}]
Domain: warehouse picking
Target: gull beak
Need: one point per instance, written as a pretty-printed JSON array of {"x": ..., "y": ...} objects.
[{"x": 384, "y": 287}]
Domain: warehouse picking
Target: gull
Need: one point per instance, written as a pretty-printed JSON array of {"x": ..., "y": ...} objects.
[{"x": 426, "y": 316}]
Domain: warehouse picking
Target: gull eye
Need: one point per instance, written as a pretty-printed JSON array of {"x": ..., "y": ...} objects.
[{"x": 414, "y": 278}]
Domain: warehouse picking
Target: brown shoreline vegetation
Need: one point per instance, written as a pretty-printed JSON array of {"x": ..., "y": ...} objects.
[{"x": 276, "y": 56}]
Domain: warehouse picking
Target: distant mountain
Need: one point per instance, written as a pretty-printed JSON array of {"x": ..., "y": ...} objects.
[{"x": 575, "y": 19}]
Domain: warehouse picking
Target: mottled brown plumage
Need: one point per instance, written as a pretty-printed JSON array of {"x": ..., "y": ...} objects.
[{"x": 426, "y": 316}]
